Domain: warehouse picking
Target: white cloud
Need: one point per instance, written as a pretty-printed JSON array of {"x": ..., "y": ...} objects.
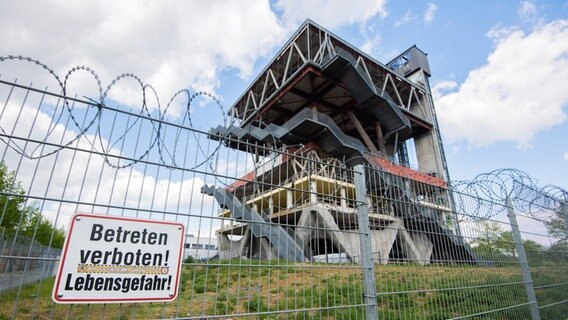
[
  {"x": 518, "y": 93},
  {"x": 443, "y": 87},
  {"x": 566, "y": 156},
  {"x": 372, "y": 43},
  {"x": 499, "y": 32},
  {"x": 408, "y": 17},
  {"x": 171, "y": 45},
  {"x": 331, "y": 14},
  {"x": 372, "y": 39},
  {"x": 369, "y": 45},
  {"x": 430, "y": 12},
  {"x": 527, "y": 10}
]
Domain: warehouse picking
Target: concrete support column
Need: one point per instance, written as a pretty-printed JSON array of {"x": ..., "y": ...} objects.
[
  {"x": 343, "y": 200},
  {"x": 313, "y": 191},
  {"x": 380, "y": 139},
  {"x": 368, "y": 143},
  {"x": 270, "y": 206},
  {"x": 289, "y": 199}
]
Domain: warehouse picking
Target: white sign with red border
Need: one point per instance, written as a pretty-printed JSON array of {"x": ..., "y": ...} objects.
[{"x": 108, "y": 259}]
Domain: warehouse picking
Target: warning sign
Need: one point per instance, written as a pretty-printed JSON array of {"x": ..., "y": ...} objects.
[{"x": 109, "y": 259}]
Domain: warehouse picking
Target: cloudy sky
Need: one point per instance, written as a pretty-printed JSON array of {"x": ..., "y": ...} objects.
[{"x": 499, "y": 68}]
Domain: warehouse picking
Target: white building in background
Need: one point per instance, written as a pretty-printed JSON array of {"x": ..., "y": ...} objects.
[{"x": 200, "y": 248}]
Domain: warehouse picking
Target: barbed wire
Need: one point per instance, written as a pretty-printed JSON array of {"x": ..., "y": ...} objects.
[
  {"x": 489, "y": 192},
  {"x": 166, "y": 151}
]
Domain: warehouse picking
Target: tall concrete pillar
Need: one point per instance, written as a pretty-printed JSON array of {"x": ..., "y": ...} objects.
[
  {"x": 343, "y": 200},
  {"x": 313, "y": 191}
]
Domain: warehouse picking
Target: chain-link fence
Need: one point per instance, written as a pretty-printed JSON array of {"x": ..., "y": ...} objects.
[{"x": 272, "y": 233}]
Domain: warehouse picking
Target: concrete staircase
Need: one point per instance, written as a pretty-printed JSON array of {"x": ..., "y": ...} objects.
[{"x": 280, "y": 239}]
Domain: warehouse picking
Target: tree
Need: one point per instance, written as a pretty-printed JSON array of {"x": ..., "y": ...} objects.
[
  {"x": 489, "y": 241},
  {"x": 16, "y": 216},
  {"x": 493, "y": 242},
  {"x": 12, "y": 213},
  {"x": 558, "y": 252},
  {"x": 505, "y": 242},
  {"x": 533, "y": 246},
  {"x": 558, "y": 228},
  {"x": 558, "y": 224},
  {"x": 43, "y": 229}
]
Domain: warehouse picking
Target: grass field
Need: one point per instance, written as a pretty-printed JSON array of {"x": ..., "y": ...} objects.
[{"x": 275, "y": 289}]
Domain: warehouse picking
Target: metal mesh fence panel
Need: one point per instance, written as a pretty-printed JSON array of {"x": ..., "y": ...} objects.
[
  {"x": 438, "y": 259},
  {"x": 262, "y": 230},
  {"x": 272, "y": 233},
  {"x": 543, "y": 232}
]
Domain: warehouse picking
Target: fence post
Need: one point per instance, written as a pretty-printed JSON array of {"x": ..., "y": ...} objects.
[
  {"x": 527, "y": 278},
  {"x": 564, "y": 211},
  {"x": 369, "y": 286},
  {"x": 564, "y": 214}
]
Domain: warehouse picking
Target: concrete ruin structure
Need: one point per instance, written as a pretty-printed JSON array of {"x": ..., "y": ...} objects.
[{"x": 318, "y": 108}]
